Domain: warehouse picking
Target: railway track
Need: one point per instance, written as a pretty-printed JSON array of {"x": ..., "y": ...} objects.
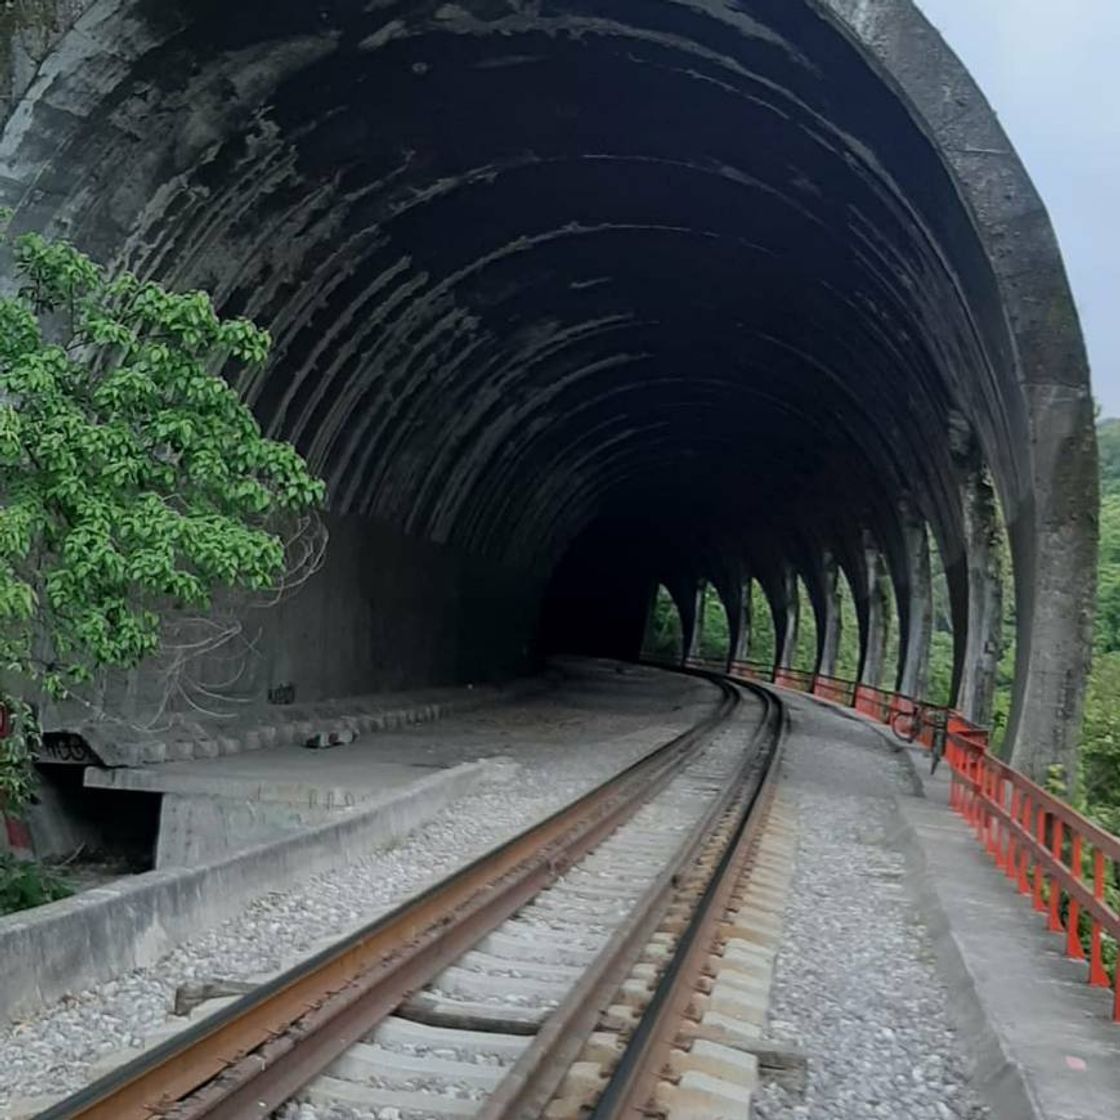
[{"x": 572, "y": 952}]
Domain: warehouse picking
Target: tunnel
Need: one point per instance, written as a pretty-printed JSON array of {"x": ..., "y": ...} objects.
[{"x": 570, "y": 300}]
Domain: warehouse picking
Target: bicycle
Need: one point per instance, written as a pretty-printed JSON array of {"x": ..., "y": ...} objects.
[
  {"x": 937, "y": 751},
  {"x": 907, "y": 725}
]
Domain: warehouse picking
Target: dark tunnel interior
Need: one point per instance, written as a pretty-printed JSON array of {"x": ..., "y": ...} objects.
[{"x": 568, "y": 299}]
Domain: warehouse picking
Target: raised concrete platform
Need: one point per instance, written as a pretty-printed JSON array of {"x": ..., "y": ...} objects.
[
  {"x": 211, "y": 807},
  {"x": 1042, "y": 1040},
  {"x": 66, "y": 946},
  {"x": 271, "y": 782},
  {"x": 334, "y": 778}
]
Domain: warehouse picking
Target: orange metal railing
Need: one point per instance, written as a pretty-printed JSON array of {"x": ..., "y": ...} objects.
[
  {"x": 1066, "y": 864},
  {"x": 1063, "y": 861}
]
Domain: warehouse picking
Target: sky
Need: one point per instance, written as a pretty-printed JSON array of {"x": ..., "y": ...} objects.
[{"x": 1051, "y": 70}]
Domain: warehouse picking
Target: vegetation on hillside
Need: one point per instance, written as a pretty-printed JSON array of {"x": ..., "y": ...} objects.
[
  {"x": 805, "y": 648},
  {"x": 663, "y": 629},
  {"x": 1099, "y": 785},
  {"x": 763, "y": 639},
  {"x": 940, "y": 682}
]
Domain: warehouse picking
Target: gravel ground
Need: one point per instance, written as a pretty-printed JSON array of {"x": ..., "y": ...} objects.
[
  {"x": 856, "y": 984},
  {"x": 562, "y": 745}
]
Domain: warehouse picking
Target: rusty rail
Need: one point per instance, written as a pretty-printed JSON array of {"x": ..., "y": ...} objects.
[
  {"x": 630, "y": 1093},
  {"x": 253, "y": 1055},
  {"x": 696, "y": 881}
]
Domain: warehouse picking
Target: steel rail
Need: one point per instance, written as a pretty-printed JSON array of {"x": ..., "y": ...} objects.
[
  {"x": 526, "y": 1090},
  {"x": 248, "y": 1058},
  {"x": 631, "y": 1091}
]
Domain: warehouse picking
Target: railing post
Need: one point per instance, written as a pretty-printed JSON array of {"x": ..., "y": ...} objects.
[
  {"x": 1011, "y": 864},
  {"x": 1074, "y": 948},
  {"x": 1098, "y": 975},
  {"x": 1022, "y": 827},
  {"x": 990, "y": 803},
  {"x": 1039, "y": 874},
  {"x": 1057, "y": 835},
  {"x": 1025, "y": 854}
]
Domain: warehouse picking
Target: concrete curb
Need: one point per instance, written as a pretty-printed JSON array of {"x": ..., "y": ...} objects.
[
  {"x": 67, "y": 946},
  {"x": 997, "y": 1075},
  {"x": 909, "y": 763}
]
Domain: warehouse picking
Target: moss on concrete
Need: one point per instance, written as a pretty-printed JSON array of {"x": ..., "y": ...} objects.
[{"x": 30, "y": 26}]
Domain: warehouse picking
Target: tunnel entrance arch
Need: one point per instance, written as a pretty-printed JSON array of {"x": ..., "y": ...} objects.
[{"x": 701, "y": 291}]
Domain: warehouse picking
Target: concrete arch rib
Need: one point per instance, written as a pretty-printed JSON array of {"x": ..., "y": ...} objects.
[{"x": 1048, "y": 484}]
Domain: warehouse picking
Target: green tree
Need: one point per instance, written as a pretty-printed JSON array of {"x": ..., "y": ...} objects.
[
  {"x": 134, "y": 483},
  {"x": 847, "y": 655},
  {"x": 1100, "y": 743},
  {"x": 716, "y": 636},
  {"x": 805, "y": 649},
  {"x": 1099, "y": 777},
  {"x": 1108, "y": 449},
  {"x": 762, "y": 627},
  {"x": 892, "y": 653},
  {"x": 663, "y": 630},
  {"x": 939, "y": 689},
  {"x": 1107, "y": 627}
]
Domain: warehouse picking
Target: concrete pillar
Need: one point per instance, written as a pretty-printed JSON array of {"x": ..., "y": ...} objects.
[
  {"x": 696, "y": 636},
  {"x": 984, "y": 643},
  {"x": 874, "y": 654},
  {"x": 787, "y": 638},
  {"x": 741, "y": 651},
  {"x": 651, "y": 616},
  {"x": 914, "y": 646},
  {"x": 831, "y": 623},
  {"x": 1054, "y": 546}
]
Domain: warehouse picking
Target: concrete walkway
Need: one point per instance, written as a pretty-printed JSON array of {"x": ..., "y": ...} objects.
[
  {"x": 857, "y": 988},
  {"x": 1038, "y": 1041},
  {"x": 1041, "y": 1038}
]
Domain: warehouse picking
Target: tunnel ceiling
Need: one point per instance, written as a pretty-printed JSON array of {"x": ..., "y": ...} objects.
[{"x": 530, "y": 266}]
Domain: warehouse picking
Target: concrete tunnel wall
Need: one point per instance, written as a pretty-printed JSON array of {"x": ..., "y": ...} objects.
[{"x": 571, "y": 297}]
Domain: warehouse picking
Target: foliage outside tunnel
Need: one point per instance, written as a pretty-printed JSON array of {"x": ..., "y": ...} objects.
[
  {"x": 1099, "y": 786},
  {"x": 805, "y": 647},
  {"x": 663, "y": 637},
  {"x": 663, "y": 629}
]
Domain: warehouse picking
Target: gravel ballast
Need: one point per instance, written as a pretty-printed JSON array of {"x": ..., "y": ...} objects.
[
  {"x": 856, "y": 984},
  {"x": 660, "y": 827},
  {"x": 558, "y": 746}
]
